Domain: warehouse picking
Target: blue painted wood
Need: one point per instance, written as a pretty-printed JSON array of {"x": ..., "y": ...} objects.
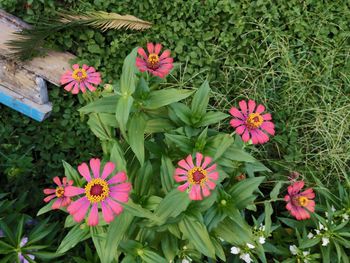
[{"x": 24, "y": 106}]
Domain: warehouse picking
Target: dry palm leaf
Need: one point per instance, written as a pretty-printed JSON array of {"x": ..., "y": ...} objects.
[{"x": 30, "y": 42}]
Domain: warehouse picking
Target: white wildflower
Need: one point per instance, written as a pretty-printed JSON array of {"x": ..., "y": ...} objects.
[
  {"x": 246, "y": 258},
  {"x": 310, "y": 235},
  {"x": 333, "y": 209},
  {"x": 326, "y": 214},
  {"x": 305, "y": 253},
  {"x": 321, "y": 226},
  {"x": 325, "y": 241},
  {"x": 293, "y": 249},
  {"x": 235, "y": 250},
  {"x": 185, "y": 261},
  {"x": 345, "y": 217},
  {"x": 262, "y": 227},
  {"x": 317, "y": 231},
  {"x": 250, "y": 246},
  {"x": 262, "y": 240}
]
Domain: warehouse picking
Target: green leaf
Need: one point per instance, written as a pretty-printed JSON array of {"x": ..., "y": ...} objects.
[
  {"x": 143, "y": 180},
  {"x": 115, "y": 234},
  {"x": 136, "y": 129},
  {"x": 103, "y": 132},
  {"x": 253, "y": 167},
  {"x": 128, "y": 78},
  {"x": 180, "y": 141},
  {"x": 182, "y": 112},
  {"x": 172, "y": 205},
  {"x": 198, "y": 235},
  {"x": 139, "y": 211},
  {"x": 72, "y": 174},
  {"x": 98, "y": 235},
  {"x": 169, "y": 246},
  {"x": 242, "y": 191},
  {"x": 200, "y": 100},
  {"x": 166, "y": 174},
  {"x": 158, "y": 125},
  {"x": 117, "y": 157},
  {"x": 149, "y": 256},
  {"x": 105, "y": 104},
  {"x": 74, "y": 236},
  {"x": 165, "y": 97},
  {"x": 276, "y": 190},
  {"x": 46, "y": 208},
  {"x": 5, "y": 248},
  {"x": 240, "y": 155},
  {"x": 212, "y": 117},
  {"x": 219, "y": 251},
  {"x": 268, "y": 213},
  {"x": 217, "y": 145},
  {"x": 122, "y": 112}
]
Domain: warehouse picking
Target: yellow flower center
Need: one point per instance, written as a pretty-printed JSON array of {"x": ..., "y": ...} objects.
[
  {"x": 79, "y": 74},
  {"x": 97, "y": 190},
  {"x": 254, "y": 120},
  {"x": 153, "y": 60},
  {"x": 303, "y": 201},
  {"x": 197, "y": 175},
  {"x": 59, "y": 191}
]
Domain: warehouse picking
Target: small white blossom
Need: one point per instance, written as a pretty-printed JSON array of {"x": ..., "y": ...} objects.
[
  {"x": 262, "y": 227},
  {"x": 262, "y": 240},
  {"x": 326, "y": 214},
  {"x": 185, "y": 261},
  {"x": 325, "y": 241},
  {"x": 310, "y": 235},
  {"x": 293, "y": 249},
  {"x": 246, "y": 258},
  {"x": 250, "y": 246},
  {"x": 321, "y": 226},
  {"x": 221, "y": 239},
  {"x": 333, "y": 209},
  {"x": 317, "y": 231},
  {"x": 345, "y": 217},
  {"x": 305, "y": 253},
  {"x": 235, "y": 250}
]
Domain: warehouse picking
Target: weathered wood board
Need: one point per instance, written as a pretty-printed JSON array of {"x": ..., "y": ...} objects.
[{"x": 25, "y": 80}]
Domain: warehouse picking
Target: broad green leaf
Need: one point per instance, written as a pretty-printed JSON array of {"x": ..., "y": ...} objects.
[
  {"x": 115, "y": 233},
  {"x": 276, "y": 190},
  {"x": 242, "y": 191},
  {"x": 180, "y": 141},
  {"x": 198, "y": 235},
  {"x": 240, "y": 155},
  {"x": 200, "y": 100},
  {"x": 182, "y": 112},
  {"x": 166, "y": 174},
  {"x": 104, "y": 104},
  {"x": 143, "y": 180},
  {"x": 103, "y": 132},
  {"x": 72, "y": 174},
  {"x": 138, "y": 211},
  {"x": 98, "y": 235},
  {"x": 136, "y": 129},
  {"x": 217, "y": 145},
  {"x": 158, "y": 125},
  {"x": 219, "y": 251},
  {"x": 253, "y": 167},
  {"x": 172, "y": 205},
  {"x": 117, "y": 157},
  {"x": 77, "y": 234},
  {"x": 165, "y": 97},
  {"x": 268, "y": 213},
  {"x": 109, "y": 119},
  {"x": 310, "y": 242},
  {"x": 149, "y": 256},
  {"x": 169, "y": 246},
  {"x": 212, "y": 117},
  {"x": 46, "y": 208},
  {"x": 122, "y": 112},
  {"x": 128, "y": 77}
]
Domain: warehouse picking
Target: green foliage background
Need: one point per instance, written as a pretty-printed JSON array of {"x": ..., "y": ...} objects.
[{"x": 292, "y": 56}]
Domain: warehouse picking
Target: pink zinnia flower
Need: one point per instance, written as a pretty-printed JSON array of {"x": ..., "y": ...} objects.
[
  {"x": 249, "y": 122},
  {"x": 157, "y": 65},
  {"x": 199, "y": 179},
  {"x": 80, "y": 79},
  {"x": 99, "y": 192},
  {"x": 298, "y": 202},
  {"x": 59, "y": 192}
]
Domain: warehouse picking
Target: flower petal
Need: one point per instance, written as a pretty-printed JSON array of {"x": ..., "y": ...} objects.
[
  {"x": 190, "y": 161},
  {"x": 84, "y": 171},
  {"x": 183, "y": 187},
  {"x": 116, "y": 207},
  {"x": 199, "y": 158},
  {"x": 243, "y": 106},
  {"x": 95, "y": 165},
  {"x": 107, "y": 212},
  {"x": 57, "y": 181},
  {"x": 75, "y": 206},
  {"x": 48, "y": 191},
  {"x": 57, "y": 204},
  {"x": 73, "y": 191},
  {"x": 93, "y": 217},
  {"x": 236, "y": 113},
  {"x": 157, "y": 48},
  {"x": 184, "y": 164},
  {"x": 48, "y": 198},
  {"x": 207, "y": 160},
  {"x": 150, "y": 48},
  {"x": 195, "y": 192},
  {"x": 107, "y": 170},
  {"x": 251, "y": 106},
  {"x": 142, "y": 53},
  {"x": 260, "y": 109},
  {"x": 118, "y": 178}
]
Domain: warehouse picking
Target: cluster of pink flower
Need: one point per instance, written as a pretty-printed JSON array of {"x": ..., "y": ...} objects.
[{"x": 199, "y": 177}]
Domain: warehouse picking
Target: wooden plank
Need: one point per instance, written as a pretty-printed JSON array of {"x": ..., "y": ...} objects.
[
  {"x": 17, "y": 102},
  {"x": 50, "y": 67},
  {"x": 23, "y": 82}
]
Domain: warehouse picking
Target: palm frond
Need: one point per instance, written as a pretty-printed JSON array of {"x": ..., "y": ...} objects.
[
  {"x": 105, "y": 21},
  {"x": 30, "y": 42}
]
